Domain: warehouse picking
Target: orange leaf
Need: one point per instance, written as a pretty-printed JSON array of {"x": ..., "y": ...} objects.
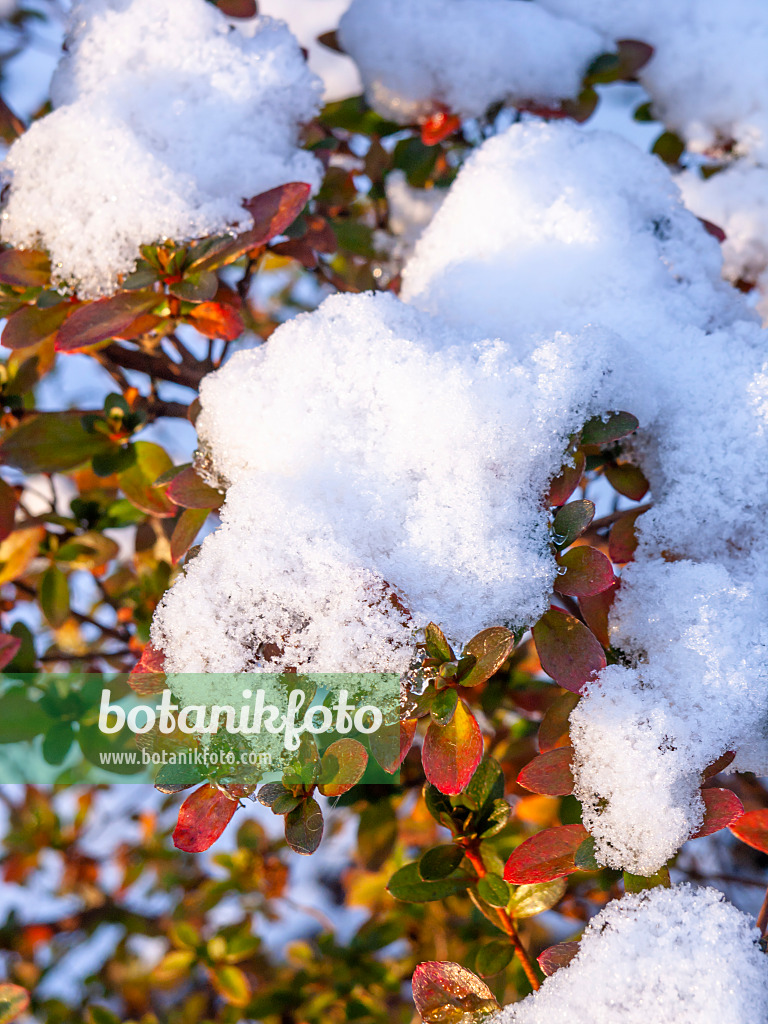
[
  {"x": 202, "y": 818},
  {"x": 438, "y": 127},
  {"x": 752, "y": 829},
  {"x": 216, "y": 320}
]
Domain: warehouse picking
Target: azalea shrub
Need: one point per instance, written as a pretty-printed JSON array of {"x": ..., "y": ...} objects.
[{"x": 478, "y": 395}]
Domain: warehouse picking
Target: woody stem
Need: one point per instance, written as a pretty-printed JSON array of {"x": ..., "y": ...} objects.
[{"x": 505, "y": 920}]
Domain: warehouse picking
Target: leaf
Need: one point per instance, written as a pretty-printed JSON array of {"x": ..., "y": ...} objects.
[
  {"x": 138, "y": 482},
  {"x": 547, "y": 855},
  {"x": 633, "y": 55},
  {"x": 588, "y": 572},
  {"x": 721, "y": 808},
  {"x": 529, "y": 900},
  {"x": 230, "y": 982},
  {"x": 639, "y": 883},
  {"x": 17, "y": 551},
  {"x": 752, "y": 829},
  {"x": 25, "y": 268},
  {"x": 568, "y": 652},
  {"x": 51, "y": 442},
  {"x": 376, "y": 834},
  {"x": 669, "y": 147},
  {"x": 452, "y": 752},
  {"x": 622, "y": 540},
  {"x": 54, "y": 596},
  {"x": 494, "y": 890},
  {"x": 444, "y": 706},
  {"x": 615, "y": 426},
  {"x": 187, "y": 527},
  {"x": 8, "y": 505},
  {"x": 491, "y": 648},
  {"x": 304, "y": 827},
  {"x": 9, "y": 648},
  {"x": 486, "y": 785},
  {"x": 627, "y": 479},
  {"x": 342, "y": 766},
  {"x": 444, "y": 993},
  {"x": 29, "y": 325},
  {"x": 58, "y": 742},
  {"x": 408, "y": 886},
  {"x": 438, "y": 127},
  {"x": 557, "y": 956},
  {"x": 198, "y": 286},
  {"x": 437, "y": 644},
  {"x": 563, "y": 486},
  {"x": 21, "y": 719},
  {"x": 595, "y": 608},
  {"x": 202, "y": 818},
  {"x": 105, "y": 318},
  {"x": 571, "y": 521},
  {"x": 270, "y": 792},
  {"x": 272, "y": 213},
  {"x": 440, "y": 862},
  {"x": 217, "y": 320},
  {"x": 550, "y": 773},
  {"x": 493, "y": 958},
  {"x": 189, "y": 491},
  {"x": 584, "y": 858},
  {"x": 238, "y": 8},
  {"x": 13, "y": 1000},
  {"x": 390, "y": 743},
  {"x": 553, "y": 731},
  {"x": 719, "y": 765}
]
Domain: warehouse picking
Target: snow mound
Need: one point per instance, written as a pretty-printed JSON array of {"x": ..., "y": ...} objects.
[
  {"x": 464, "y": 54},
  {"x": 166, "y": 118},
  {"x": 680, "y": 954}
]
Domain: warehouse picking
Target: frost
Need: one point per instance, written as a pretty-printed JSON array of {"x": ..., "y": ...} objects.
[
  {"x": 463, "y": 54},
  {"x": 681, "y": 954},
  {"x": 549, "y": 229},
  {"x": 166, "y": 119}
]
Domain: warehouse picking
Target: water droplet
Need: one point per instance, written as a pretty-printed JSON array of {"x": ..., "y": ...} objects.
[{"x": 562, "y": 570}]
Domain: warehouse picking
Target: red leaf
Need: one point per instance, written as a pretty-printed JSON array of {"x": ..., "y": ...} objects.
[
  {"x": 438, "y": 127},
  {"x": 342, "y": 766},
  {"x": 8, "y": 503},
  {"x": 187, "y": 527},
  {"x": 189, "y": 491},
  {"x": 390, "y": 743},
  {"x": 622, "y": 541},
  {"x": 713, "y": 229},
  {"x": 588, "y": 572},
  {"x": 93, "y": 322},
  {"x": 452, "y": 752},
  {"x": 718, "y": 765},
  {"x": 439, "y": 987},
  {"x": 202, "y": 818},
  {"x": 9, "y": 646},
  {"x": 549, "y": 773},
  {"x": 554, "y": 726},
  {"x": 558, "y": 956},
  {"x": 238, "y": 8},
  {"x": 29, "y": 325},
  {"x": 148, "y": 674},
  {"x": 297, "y": 249},
  {"x": 547, "y": 855},
  {"x": 633, "y": 55},
  {"x": 24, "y": 268},
  {"x": 721, "y": 808},
  {"x": 595, "y": 608},
  {"x": 752, "y": 829},
  {"x": 567, "y": 650},
  {"x": 216, "y": 320},
  {"x": 563, "y": 486}
]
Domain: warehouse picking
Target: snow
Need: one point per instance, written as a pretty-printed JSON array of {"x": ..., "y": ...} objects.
[
  {"x": 409, "y": 211},
  {"x": 350, "y": 443},
  {"x": 680, "y": 954},
  {"x": 464, "y": 54},
  {"x": 165, "y": 119},
  {"x": 308, "y": 19},
  {"x": 549, "y": 229}
]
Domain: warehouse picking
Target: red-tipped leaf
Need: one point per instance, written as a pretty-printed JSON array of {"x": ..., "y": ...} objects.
[
  {"x": 567, "y": 650},
  {"x": 452, "y": 752},
  {"x": 547, "y": 855},
  {"x": 106, "y": 318},
  {"x": 721, "y": 809},
  {"x": 752, "y": 828},
  {"x": 587, "y": 572},
  {"x": 202, "y": 818},
  {"x": 549, "y": 773}
]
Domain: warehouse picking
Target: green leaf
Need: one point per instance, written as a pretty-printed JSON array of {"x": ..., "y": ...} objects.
[
  {"x": 196, "y": 287},
  {"x": 493, "y": 958},
  {"x": 614, "y": 426},
  {"x": 444, "y": 706},
  {"x": 138, "y": 482},
  {"x": 231, "y": 982},
  {"x": 440, "y": 862},
  {"x": 669, "y": 147},
  {"x": 529, "y": 900},
  {"x": 115, "y": 460},
  {"x": 408, "y": 886},
  {"x": 437, "y": 644},
  {"x": 304, "y": 827},
  {"x": 54, "y": 596},
  {"x": 105, "y": 318},
  {"x": 490, "y": 648},
  {"x": 494, "y": 890},
  {"x": 57, "y": 742},
  {"x": 571, "y": 521},
  {"x": 638, "y": 883},
  {"x": 584, "y": 858},
  {"x": 51, "y": 442},
  {"x": 487, "y": 784},
  {"x": 21, "y": 719},
  {"x": 13, "y": 1000}
]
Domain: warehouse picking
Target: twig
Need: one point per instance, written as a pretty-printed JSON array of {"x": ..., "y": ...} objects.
[
  {"x": 599, "y": 524},
  {"x": 121, "y": 633},
  {"x": 762, "y": 917}
]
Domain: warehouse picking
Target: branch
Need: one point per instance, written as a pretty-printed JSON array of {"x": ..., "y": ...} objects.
[
  {"x": 155, "y": 366},
  {"x": 121, "y": 633}
]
